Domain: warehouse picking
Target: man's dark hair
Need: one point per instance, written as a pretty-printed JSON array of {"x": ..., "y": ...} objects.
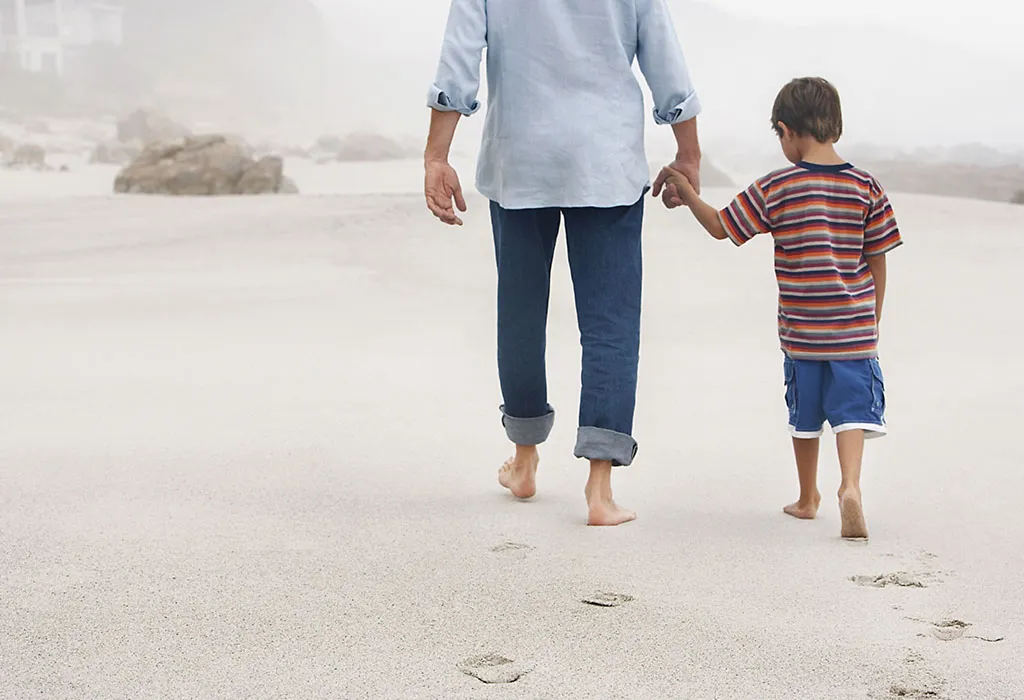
[{"x": 809, "y": 107}]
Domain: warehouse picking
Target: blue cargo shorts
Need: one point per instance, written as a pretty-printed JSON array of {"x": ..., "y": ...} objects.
[{"x": 849, "y": 394}]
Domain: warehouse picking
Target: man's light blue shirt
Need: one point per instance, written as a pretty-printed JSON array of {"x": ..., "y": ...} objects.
[{"x": 565, "y": 117}]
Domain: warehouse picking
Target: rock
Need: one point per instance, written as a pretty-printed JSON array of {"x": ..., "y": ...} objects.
[
  {"x": 202, "y": 166},
  {"x": 328, "y": 144},
  {"x": 30, "y": 156},
  {"x": 264, "y": 177},
  {"x": 711, "y": 176},
  {"x": 288, "y": 186},
  {"x": 359, "y": 147},
  {"x": 145, "y": 126},
  {"x": 1017, "y": 198},
  {"x": 37, "y": 127},
  {"x": 371, "y": 147},
  {"x": 114, "y": 153}
]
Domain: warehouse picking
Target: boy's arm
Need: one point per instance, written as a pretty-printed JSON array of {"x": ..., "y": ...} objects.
[
  {"x": 706, "y": 214},
  {"x": 876, "y": 263},
  {"x": 881, "y": 235},
  {"x": 746, "y": 217}
]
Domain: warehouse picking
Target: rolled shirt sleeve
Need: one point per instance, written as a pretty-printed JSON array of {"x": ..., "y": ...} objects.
[
  {"x": 664, "y": 67},
  {"x": 458, "y": 74}
]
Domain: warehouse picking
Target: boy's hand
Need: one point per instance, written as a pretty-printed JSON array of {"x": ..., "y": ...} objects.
[
  {"x": 688, "y": 169},
  {"x": 680, "y": 183}
]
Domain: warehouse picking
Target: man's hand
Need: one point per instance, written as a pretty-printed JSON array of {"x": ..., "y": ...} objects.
[
  {"x": 668, "y": 189},
  {"x": 682, "y": 190},
  {"x": 440, "y": 186}
]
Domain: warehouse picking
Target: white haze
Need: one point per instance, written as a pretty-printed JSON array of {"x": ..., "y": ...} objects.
[{"x": 913, "y": 72}]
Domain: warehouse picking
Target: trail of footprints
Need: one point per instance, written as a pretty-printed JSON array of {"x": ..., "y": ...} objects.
[
  {"x": 494, "y": 668},
  {"x": 920, "y": 684}
]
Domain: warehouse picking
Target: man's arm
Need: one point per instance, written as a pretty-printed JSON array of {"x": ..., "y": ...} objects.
[
  {"x": 441, "y": 183},
  {"x": 453, "y": 95},
  {"x": 876, "y": 263},
  {"x": 687, "y": 162},
  {"x": 661, "y": 60}
]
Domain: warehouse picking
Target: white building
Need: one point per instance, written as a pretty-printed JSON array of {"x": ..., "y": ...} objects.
[{"x": 42, "y": 35}]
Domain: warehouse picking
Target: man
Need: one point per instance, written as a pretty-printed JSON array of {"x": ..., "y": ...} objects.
[{"x": 564, "y": 139}]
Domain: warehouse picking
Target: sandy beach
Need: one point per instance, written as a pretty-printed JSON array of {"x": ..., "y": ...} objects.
[{"x": 249, "y": 446}]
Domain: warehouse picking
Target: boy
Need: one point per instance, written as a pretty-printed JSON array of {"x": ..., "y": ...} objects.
[{"x": 832, "y": 225}]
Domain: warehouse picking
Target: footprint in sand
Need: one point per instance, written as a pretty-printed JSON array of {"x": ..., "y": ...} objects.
[
  {"x": 608, "y": 600},
  {"x": 950, "y": 630},
  {"x": 495, "y": 668},
  {"x": 900, "y": 579},
  {"x": 511, "y": 547},
  {"x": 902, "y": 691}
]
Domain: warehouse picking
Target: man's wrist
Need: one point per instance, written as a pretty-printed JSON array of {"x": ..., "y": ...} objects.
[
  {"x": 434, "y": 160},
  {"x": 688, "y": 156}
]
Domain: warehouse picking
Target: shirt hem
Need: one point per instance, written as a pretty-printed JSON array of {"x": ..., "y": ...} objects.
[
  {"x": 832, "y": 356},
  {"x": 596, "y": 202}
]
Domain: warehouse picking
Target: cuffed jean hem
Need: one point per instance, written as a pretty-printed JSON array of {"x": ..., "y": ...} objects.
[
  {"x": 528, "y": 431},
  {"x": 599, "y": 443}
]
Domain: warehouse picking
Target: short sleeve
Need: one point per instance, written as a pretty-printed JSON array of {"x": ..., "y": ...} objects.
[
  {"x": 748, "y": 215},
  {"x": 881, "y": 233}
]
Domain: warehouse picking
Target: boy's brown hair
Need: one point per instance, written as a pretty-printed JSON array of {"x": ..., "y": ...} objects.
[{"x": 809, "y": 107}]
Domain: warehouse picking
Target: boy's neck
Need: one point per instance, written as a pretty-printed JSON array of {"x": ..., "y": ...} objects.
[{"x": 817, "y": 153}]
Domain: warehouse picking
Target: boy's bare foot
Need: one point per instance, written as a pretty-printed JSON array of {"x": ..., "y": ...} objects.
[
  {"x": 804, "y": 509},
  {"x": 519, "y": 474},
  {"x": 852, "y": 511},
  {"x": 602, "y": 509}
]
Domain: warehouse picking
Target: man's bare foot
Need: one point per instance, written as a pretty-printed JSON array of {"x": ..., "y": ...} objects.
[
  {"x": 804, "y": 509},
  {"x": 519, "y": 474},
  {"x": 607, "y": 514},
  {"x": 602, "y": 509},
  {"x": 852, "y": 511}
]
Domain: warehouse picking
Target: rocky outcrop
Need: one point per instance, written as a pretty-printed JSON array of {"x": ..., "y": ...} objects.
[
  {"x": 1017, "y": 198},
  {"x": 359, "y": 147},
  {"x": 996, "y": 184},
  {"x": 114, "y": 153},
  {"x": 263, "y": 177},
  {"x": 213, "y": 165},
  {"x": 711, "y": 176},
  {"x": 28, "y": 156},
  {"x": 145, "y": 126}
]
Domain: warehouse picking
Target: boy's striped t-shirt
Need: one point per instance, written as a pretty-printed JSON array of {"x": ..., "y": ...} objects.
[{"x": 825, "y": 220}]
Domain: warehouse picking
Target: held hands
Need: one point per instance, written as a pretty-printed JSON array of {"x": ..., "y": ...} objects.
[
  {"x": 440, "y": 187},
  {"x": 678, "y": 187}
]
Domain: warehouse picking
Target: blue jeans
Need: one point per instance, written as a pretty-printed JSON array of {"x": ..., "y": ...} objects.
[{"x": 605, "y": 258}]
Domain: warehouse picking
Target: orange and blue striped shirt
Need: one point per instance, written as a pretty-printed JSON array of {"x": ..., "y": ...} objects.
[{"x": 826, "y": 220}]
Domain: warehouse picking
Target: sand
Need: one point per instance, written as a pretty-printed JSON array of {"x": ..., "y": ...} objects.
[{"x": 249, "y": 446}]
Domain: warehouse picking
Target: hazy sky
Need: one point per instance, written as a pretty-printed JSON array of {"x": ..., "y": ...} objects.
[
  {"x": 992, "y": 25},
  {"x": 913, "y": 72}
]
